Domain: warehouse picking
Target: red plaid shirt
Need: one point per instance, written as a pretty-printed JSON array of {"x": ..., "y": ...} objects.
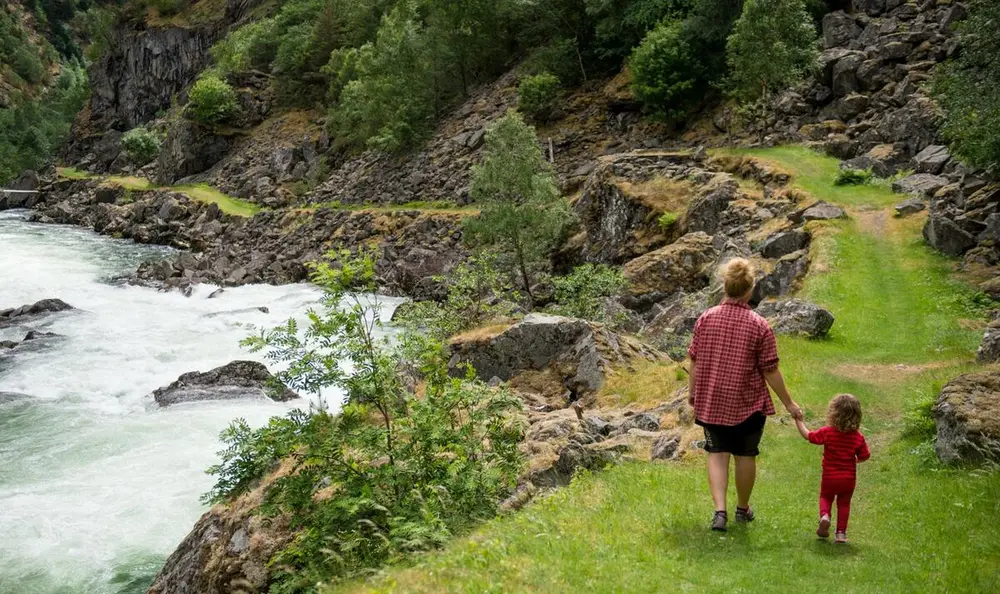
[{"x": 732, "y": 347}]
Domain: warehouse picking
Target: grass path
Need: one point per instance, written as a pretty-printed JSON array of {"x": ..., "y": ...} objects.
[{"x": 901, "y": 332}]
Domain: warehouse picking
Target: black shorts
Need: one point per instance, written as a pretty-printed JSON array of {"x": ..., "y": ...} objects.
[{"x": 738, "y": 440}]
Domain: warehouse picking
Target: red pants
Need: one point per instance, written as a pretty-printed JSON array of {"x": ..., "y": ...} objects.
[{"x": 842, "y": 490}]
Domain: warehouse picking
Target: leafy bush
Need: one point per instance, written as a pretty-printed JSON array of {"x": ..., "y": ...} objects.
[
  {"x": 536, "y": 95},
  {"x": 167, "y": 7},
  {"x": 522, "y": 216},
  {"x": 211, "y": 100},
  {"x": 585, "y": 293},
  {"x": 141, "y": 145},
  {"x": 478, "y": 294},
  {"x": 392, "y": 473},
  {"x": 853, "y": 177},
  {"x": 667, "y": 221},
  {"x": 773, "y": 44},
  {"x": 667, "y": 76},
  {"x": 967, "y": 89}
]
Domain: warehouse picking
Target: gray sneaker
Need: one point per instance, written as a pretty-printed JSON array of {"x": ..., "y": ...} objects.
[
  {"x": 719, "y": 521},
  {"x": 824, "y": 527},
  {"x": 744, "y": 516}
]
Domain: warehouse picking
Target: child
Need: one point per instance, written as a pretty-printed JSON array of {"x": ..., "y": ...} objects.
[{"x": 843, "y": 447}]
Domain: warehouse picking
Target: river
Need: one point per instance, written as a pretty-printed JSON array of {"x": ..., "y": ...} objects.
[{"x": 97, "y": 484}]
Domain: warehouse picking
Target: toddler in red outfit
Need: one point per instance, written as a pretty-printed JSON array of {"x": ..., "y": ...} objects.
[{"x": 843, "y": 447}]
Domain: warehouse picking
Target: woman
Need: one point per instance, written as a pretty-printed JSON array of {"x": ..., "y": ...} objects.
[{"x": 734, "y": 357}]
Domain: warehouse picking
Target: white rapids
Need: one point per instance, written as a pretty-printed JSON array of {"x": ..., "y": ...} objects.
[{"x": 97, "y": 484}]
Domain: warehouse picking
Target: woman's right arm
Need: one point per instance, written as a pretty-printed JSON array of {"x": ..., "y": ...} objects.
[{"x": 777, "y": 383}]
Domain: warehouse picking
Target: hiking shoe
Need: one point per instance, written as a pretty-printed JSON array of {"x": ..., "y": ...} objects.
[
  {"x": 719, "y": 521},
  {"x": 840, "y": 538},
  {"x": 824, "y": 527},
  {"x": 744, "y": 516}
]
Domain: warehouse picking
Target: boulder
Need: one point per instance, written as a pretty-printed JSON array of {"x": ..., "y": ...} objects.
[
  {"x": 797, "y": 317},
  {"x": 839, "y": 29},
  {"x": 845, "y": 74},
  {"x": 783, "y": 243},
  {"x": 788, "y": 271},
  {"x": 910, "y": 206},
  {"x": 577, "y": 352},
  {"x": 989, "y": 348},
  {"x": 947, "y": 236},
  {"x": 685, "y": 265},
  {"x": 967, "y": 413},
  {"x": 236, "y": 380},
  {"x": 931, "y": 160},
  {"x": 666, "y": 447},
  {"x": 818, "y": 211},
  {"x": 189, "y": 149},
  {"x": 705, "y": 213},
  {"x": 869, "y": 7},
  {"x": 35, "y": 309},
  {"x": 27, "y": 180},
  {"x": 922, "y": 184}
]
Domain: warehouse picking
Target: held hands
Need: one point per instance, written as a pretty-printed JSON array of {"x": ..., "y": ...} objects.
[{"x": 795, "y": 411}]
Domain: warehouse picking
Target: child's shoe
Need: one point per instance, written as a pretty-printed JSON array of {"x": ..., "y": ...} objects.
[
  {"x": 719, "y": 521},
  {"x": 841, "y": 538},
  {"x": 824, "y": 527}
]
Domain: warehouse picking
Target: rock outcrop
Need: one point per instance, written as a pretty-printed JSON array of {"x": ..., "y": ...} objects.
[
  {"x": 797, "y": 317},
  {"x": 967, "y": 413},
  {"x": 989, "y": 348},
  {"x": 577, "y": 354},
  {"x": 236, "y": 380}
]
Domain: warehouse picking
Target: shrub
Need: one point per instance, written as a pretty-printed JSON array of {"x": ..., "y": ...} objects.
[
  {"x": 141, "y": 145},
  {"x": 478, "y": 293},
  {"x": 405, "y": 472},
  {"x": 560, "y": 58},
  {"x": 667, "y": 221},
  {"x": 853, "y": 177},
  {"x": 666, "y": 74},
  {"x": 772, "y": 46},
  {"x": 585, "y": 293},
  {"x": 167, "y": 8},
  {"x": 536, "y": 95},
  {"x": 211, "y": 100},
  {"x": 968, "y": 92}
]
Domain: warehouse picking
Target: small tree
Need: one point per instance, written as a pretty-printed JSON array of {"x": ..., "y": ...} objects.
[
  {"x": 772, "y": 46},
  {"x": 211, "y": 100},
  {"x": 522, "y": 214},
  {"x": 667, "y": 76},
  {"x": 536, "y": 95},
  {"x": 141, "y": 145},
  {"x": 587, "y": 291}
]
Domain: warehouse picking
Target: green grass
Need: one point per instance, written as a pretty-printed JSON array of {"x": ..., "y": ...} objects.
[
  {"x": 227, "y": 204},
  {"x": 815, "y": 173},
  {"x": 915, "y": 527},
  {"x": 200, "y": 192}
]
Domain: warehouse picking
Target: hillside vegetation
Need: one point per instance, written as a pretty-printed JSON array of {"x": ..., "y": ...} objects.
[{"x": 900, "y": 333}]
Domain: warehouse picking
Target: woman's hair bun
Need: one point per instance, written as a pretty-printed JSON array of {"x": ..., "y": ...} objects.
[{"x": 738, "y": 277}]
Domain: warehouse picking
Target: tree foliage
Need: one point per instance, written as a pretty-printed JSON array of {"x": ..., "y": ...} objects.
[
  {"x": 667, "y": 76},
  {"x": 587, "y": 292},
  {"x": 536, "y": 95},
  {"x": 211, "y": 100},
  {"x": 141, "y": 145},
  {"x": 390, "y": 474},
  {"x": 968, "y": 90},
  {"x": 522, "y": 215},
  {"x": 773, "y": 44}
]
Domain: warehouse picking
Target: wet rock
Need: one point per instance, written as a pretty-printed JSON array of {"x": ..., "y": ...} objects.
[
  {"x": 38, "y": 308},
  {"x": 967, "y": 413},
  {"x": 236, "y": 380},
  {"x": 910, "y": 206},
  {"x": 8, "y": 397},
  {"x": 797, "y": 317}
]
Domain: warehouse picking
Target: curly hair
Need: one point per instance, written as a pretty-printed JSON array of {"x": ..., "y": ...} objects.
[{"x": 844, "y": 413}]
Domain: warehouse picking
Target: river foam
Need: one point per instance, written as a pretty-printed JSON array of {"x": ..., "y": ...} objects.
[{"x": 97, "y": 485}]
